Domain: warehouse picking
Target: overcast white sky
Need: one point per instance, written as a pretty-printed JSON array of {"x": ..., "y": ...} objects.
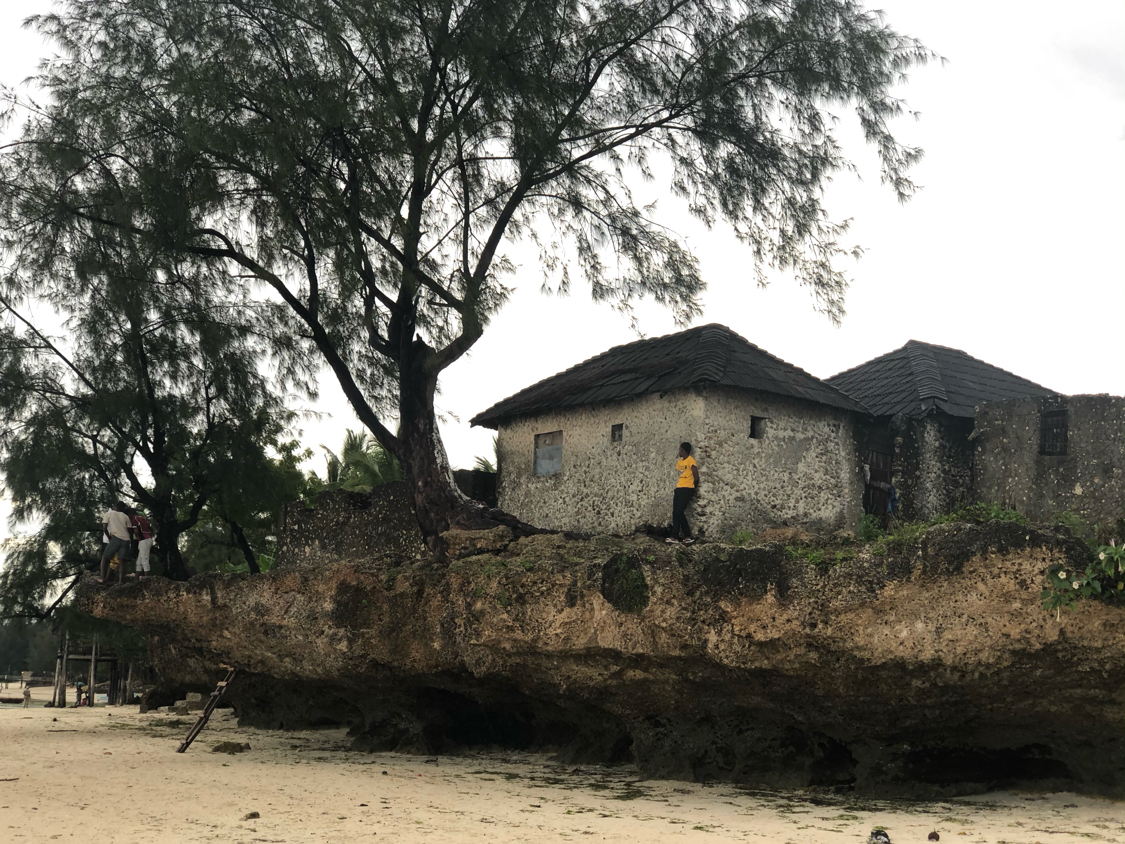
[{"x": 1014, "y": 251}]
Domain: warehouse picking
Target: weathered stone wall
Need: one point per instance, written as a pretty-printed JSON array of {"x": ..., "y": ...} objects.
[
  {"x": 364, "y": 524},
  {"x": 804, "y": 470},
  {"x": 1089, "y": 480},
  {"x": 350, "y": 525},
  {"x": 477, "y": 484},
  {"x": 933, "y": 465},
  {"x": 604, "y": 486}
]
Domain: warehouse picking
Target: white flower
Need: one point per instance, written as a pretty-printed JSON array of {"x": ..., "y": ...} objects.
[
  {"x": 1062, "y": 575},
  {"x": 1076, "y": 584},
  {"x": 1101, "y": 556}
]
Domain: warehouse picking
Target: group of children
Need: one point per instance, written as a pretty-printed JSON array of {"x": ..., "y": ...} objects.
[{"x": 121, "y": 525}]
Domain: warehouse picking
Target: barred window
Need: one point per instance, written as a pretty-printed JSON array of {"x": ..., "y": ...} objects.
[
  {"x": 1053, "y": 426},
  {"x": 617, "y": 433}
]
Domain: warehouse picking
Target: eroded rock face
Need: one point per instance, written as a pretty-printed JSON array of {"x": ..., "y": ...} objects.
[{"x": 933, "y": 669}]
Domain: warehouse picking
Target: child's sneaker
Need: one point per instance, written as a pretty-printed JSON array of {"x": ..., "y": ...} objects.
[
  {"x": 672, "y": 541},
  {"x": 689, "y": 541}
]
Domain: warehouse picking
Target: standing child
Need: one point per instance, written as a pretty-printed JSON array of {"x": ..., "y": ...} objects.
[
  {"x": 26, "y": 697},
  {"x": 140, "y": 527},
  {"x": 687, "y": 482}
]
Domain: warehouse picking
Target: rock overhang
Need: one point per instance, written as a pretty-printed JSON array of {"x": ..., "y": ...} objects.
[{"x": 898, "y": 672}]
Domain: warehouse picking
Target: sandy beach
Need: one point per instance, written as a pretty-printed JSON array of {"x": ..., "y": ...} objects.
[{"x": 112, "y": 774}]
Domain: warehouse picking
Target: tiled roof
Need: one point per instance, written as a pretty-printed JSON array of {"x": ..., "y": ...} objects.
[
  {"x": 921, "y": 377},
  {"x": 708, "y": 354}
]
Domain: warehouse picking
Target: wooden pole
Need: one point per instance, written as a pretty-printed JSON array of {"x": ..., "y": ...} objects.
[
  {"x": 62, "y": 680},
  {"x": 118, "y": 683},
  {"x": 129, "y": 683},
  {"x": 93, "y": 667},
  {"x": 58, "y": 666}
]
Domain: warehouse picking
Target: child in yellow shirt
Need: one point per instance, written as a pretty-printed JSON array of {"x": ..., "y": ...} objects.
[{"x": 687, "y": 483}]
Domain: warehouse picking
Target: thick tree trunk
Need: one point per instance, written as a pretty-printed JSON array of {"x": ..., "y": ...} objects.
[
  {"x": 244, "y": 545},
  {"x": 438, "y": 504},
  {"x": 168, "y": 538}
]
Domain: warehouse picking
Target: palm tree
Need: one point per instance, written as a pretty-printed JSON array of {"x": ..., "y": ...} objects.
[
  {"x": 483, "y": 464},
  {"x": 361, "y": 465}
]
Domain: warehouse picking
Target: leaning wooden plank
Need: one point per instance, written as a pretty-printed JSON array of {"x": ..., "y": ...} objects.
[{"x": 205, "y": 715}]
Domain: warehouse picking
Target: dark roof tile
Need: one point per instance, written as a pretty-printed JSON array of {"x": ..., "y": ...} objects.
[
  {"x": 921, "y": 377},
  {"x": 708, "y": 354}
]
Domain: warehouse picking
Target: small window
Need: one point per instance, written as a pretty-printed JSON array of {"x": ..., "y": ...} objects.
[
  {"x": 617, "y": 433},
  {"x": 1053, "y": 425},
  {"x": 548, "y": 453},
  {"x": 757, "y": 427}
]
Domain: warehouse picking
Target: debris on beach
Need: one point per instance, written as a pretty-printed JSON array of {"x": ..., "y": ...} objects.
[{"x": 230, "y": 747}]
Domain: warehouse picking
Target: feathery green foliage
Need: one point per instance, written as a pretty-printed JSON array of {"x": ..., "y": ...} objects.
[{"x": 147, "y": 390}]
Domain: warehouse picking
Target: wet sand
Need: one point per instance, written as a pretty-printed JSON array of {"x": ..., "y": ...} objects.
[{"x": 112, "y": 774}]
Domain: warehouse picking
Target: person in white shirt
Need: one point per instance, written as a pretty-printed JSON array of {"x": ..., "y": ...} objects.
[{"x": 116, "y": 523}]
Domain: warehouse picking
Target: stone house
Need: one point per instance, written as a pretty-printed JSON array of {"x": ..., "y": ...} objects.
[
  {"x": 593, "y": 448},
  {"x": 923, "y": 399}
]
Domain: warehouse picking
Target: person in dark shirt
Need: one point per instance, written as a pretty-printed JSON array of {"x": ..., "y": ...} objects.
[{"x": 142, "y": 532}]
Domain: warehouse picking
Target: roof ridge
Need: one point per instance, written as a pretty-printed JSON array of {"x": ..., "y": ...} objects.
[
  {"x": 734, "y": 335},
  {"x": 711, "y": 363},
  {"x": 965, "y": 354},
  {"x": 927, "y": 375},
  {"x": 608, "y": 351},
  {"x": 892, "y": 353}
]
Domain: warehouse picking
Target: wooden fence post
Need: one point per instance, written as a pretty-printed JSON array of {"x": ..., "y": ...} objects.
[
  {"x": 93, "y": 667},
  {"x": 58, "y": 666},
  {"x": 61, "y": 701}
]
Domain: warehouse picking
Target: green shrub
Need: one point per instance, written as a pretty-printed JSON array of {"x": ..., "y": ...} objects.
[
  {"x": 982, "y": 512},
  {"x": 744, "y": 537},
  {"x": 809, "y": 555},
  {"x": 906, "y": 533},
  {"x": 1104, "y": 578},
  {"x": 869, "y": 528}
]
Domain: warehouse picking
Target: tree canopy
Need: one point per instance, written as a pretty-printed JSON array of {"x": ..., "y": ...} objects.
[
  {"x": 361, "y": 169},
  {"x": 148, "y": 391}
]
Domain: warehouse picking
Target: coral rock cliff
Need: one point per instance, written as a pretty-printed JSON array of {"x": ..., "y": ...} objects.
[{"x": 930, "y": 669}]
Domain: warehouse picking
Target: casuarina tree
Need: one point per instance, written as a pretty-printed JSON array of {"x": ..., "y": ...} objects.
[
  {"x": 363, "y": 168},
  {"x": 122, "y": 378}
]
